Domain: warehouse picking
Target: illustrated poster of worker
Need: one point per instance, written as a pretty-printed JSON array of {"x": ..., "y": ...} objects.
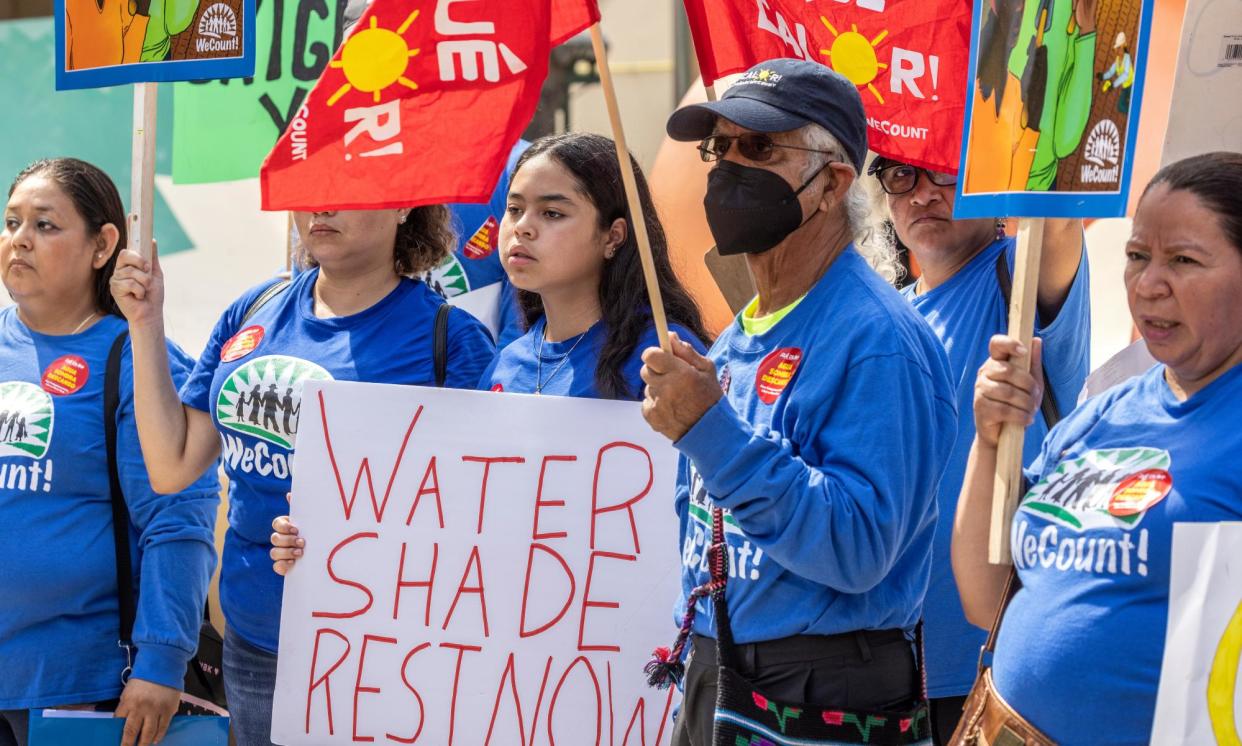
[
  {"x": 1056, "y": 86},
  {"x": 109, "y": 42}
]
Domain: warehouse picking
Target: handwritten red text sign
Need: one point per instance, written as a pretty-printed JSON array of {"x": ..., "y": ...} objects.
[{"x": 476, "y": 585}]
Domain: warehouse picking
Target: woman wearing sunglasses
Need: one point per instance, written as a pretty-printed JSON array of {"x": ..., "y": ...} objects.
[{"x": 967, "y": 267}]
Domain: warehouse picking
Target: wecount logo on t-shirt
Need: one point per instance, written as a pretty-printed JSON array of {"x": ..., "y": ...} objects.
[
  {"x": 448, "y": 278},
  {"x": 1110, "y": 488},
  {"x": 26, "y": 418},
  {"x": 1093, "y": 506},
  {"x": 263, "y": 397}
]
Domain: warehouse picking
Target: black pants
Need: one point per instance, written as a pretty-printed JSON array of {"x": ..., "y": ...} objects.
[
  {"x": 873, "y": 670},
  {"x": 945, "y": 712}
]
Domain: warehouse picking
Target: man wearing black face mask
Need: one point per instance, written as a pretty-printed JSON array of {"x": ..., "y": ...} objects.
[{"x": 819, "y": 422}]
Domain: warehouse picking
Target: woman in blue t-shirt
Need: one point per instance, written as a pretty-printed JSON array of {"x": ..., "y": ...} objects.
[
  {"x": 59, "y": 621},
  {"x": 567, "y": 246},
  {"x": 356, "y": 315},
  {"x": 1081, "y": 644}
]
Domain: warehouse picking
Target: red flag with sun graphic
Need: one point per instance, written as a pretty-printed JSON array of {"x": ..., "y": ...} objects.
[
  {"x": 420, "y": 105},
  {"x": 908, "y": 58}
]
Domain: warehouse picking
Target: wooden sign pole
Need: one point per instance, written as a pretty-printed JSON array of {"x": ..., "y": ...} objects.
[
  {"x": 639, "y": 223},
  {"x": 1007, "y": 486},
  {"x": 142, "y": 169}
]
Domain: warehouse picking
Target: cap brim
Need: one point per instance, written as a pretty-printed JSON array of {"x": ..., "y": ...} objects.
[{"x": 697, "y": 121}]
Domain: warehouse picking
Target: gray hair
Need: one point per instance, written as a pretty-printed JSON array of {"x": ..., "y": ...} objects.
[{"x": 864, "y": 211}]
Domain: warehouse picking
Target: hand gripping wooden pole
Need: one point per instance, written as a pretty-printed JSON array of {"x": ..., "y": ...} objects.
[
  {"x": 1007, "y": 487},
  {"x": 639, "y": 223},
  {"x": 142, "y": 170}
]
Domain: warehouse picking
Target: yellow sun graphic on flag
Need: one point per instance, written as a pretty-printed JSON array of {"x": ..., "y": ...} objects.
[
  {"x": 374, "y": 59},
  {"x": 853, "y": 55}
]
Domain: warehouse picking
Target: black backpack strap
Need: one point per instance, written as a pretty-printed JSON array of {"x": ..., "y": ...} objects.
[
  {"x": 439, "y": 351},
  {"x": 273, "y": 290},
  {"x": 126, "y": 606},
  {"x": 1049, "y": 408}
]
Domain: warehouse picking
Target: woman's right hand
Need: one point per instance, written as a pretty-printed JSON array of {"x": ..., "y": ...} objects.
[
  {"x": 286, "y": 545},
  {"x": 1003, "y": 392},
  {"x": 138, "y": 287}
]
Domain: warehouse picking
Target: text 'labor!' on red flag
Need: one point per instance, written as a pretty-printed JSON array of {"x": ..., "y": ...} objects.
[
  {"x": 908, "y": 58},
  {"x": 421, "y": 104}
]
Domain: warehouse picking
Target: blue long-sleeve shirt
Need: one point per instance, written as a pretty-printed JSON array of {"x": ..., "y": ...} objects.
[
  {"x": 59, "y": 620},
  {"x": 825, "y": 451}
]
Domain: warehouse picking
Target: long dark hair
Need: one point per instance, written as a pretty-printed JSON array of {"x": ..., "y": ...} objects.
[
  {"x": 592, "y": 161},
  {"x": 1216, "y": 179},
  {"x": 96, "y": 199}
]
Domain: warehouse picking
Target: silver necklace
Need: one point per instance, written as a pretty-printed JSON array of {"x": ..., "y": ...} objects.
[{"x": 539, "y": 382}]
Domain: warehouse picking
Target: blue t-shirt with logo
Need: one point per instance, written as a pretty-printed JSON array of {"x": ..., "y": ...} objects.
[
  {"x": 825, "y": 453},
  {"x": 249, "y": 378},
  {"x": 476, "y": 263},
  {"x": 965, "y": 312},
  {"x": 567, "y": 368},
  {"x": 58, "y": 580},
  {"x": 1080, "y": 648}
]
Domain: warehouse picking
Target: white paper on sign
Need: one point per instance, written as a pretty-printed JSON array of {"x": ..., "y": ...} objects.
[
  {"x": 483, "y": 304},
  {"x": 1206, "y": 111},
  {"x": 479, "y": 568},
  {"x": 1200, "y": 702},
  {"x": 1134, "y": 360}
]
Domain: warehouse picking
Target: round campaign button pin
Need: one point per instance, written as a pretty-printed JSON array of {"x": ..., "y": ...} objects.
[
  {"x": 1140, "y": 491},
  {"x": 498, "y": 387},
  {"x": 66, "y": 375},
  {"x": 242, "y": 344},
  {"x": 775, "y": 373}
]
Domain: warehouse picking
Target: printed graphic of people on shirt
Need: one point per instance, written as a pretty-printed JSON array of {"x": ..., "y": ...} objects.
[
  {"x": 13, "y": 426},
  {"x": 99, "y": 33},
  {"x": 26, "y": 416},
  {"x": 258, "y": 385},
  {"x": 1032, "y": 94},
  {"x": 1120, "y": 75}
]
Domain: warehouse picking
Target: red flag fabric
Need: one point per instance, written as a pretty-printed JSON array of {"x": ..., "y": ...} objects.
[
  {"x": 569, "y": 17},
  {"x": 420, "y": 105},
  {"x": 908, "y": 58}
]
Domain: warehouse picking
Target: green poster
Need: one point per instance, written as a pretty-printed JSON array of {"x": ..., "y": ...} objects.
[
  {"x": 92, "y": 124},
  {"x": 224, "y": 128}
]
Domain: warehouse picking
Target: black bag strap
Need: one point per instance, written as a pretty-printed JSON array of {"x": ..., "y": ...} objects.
[
  {"x": 726, "y": 651},
  {"x": 273, "y": 290},
  {"x": 1049, "y": 408},
  {"x": 126, "y": 606},
  {"x": 439, "y": 350}
]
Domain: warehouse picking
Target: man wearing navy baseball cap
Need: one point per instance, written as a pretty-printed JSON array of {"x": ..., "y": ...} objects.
[{"x": 819, "y": 423}]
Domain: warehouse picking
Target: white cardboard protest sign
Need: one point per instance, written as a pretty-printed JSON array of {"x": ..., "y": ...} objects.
[
  {"x": 1206, "y": 112},
  {"x": 1200, "y": 701},
  {"x": 480, "y": 568}
]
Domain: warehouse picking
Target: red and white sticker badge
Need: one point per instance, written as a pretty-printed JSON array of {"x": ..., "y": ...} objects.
[
  {"x": 484, "y": 241},
  {"x": 1140, "y": 491},
  {"x": 775, "y": 373},
  {"x": 242, "y": 344},
  {"x": 66, "y": 375}
]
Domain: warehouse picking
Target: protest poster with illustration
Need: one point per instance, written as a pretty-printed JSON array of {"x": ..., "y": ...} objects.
[
  {"x": 1053, "y": 107},
  {"x": 907, "y": 57},
  {"x": 224, "y": 128},
  {"x": 1200, "y": 702},
  {"x": 111, "y": 42},
  {"x": 479, "y": 568}
]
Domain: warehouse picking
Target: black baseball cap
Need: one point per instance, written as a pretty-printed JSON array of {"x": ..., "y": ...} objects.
[{"x": 781, "y": 95}]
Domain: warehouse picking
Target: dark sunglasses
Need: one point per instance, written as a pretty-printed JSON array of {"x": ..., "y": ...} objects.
[
  {"x": 754, "y": 146},
  {"x": 899, "y": 178}
]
